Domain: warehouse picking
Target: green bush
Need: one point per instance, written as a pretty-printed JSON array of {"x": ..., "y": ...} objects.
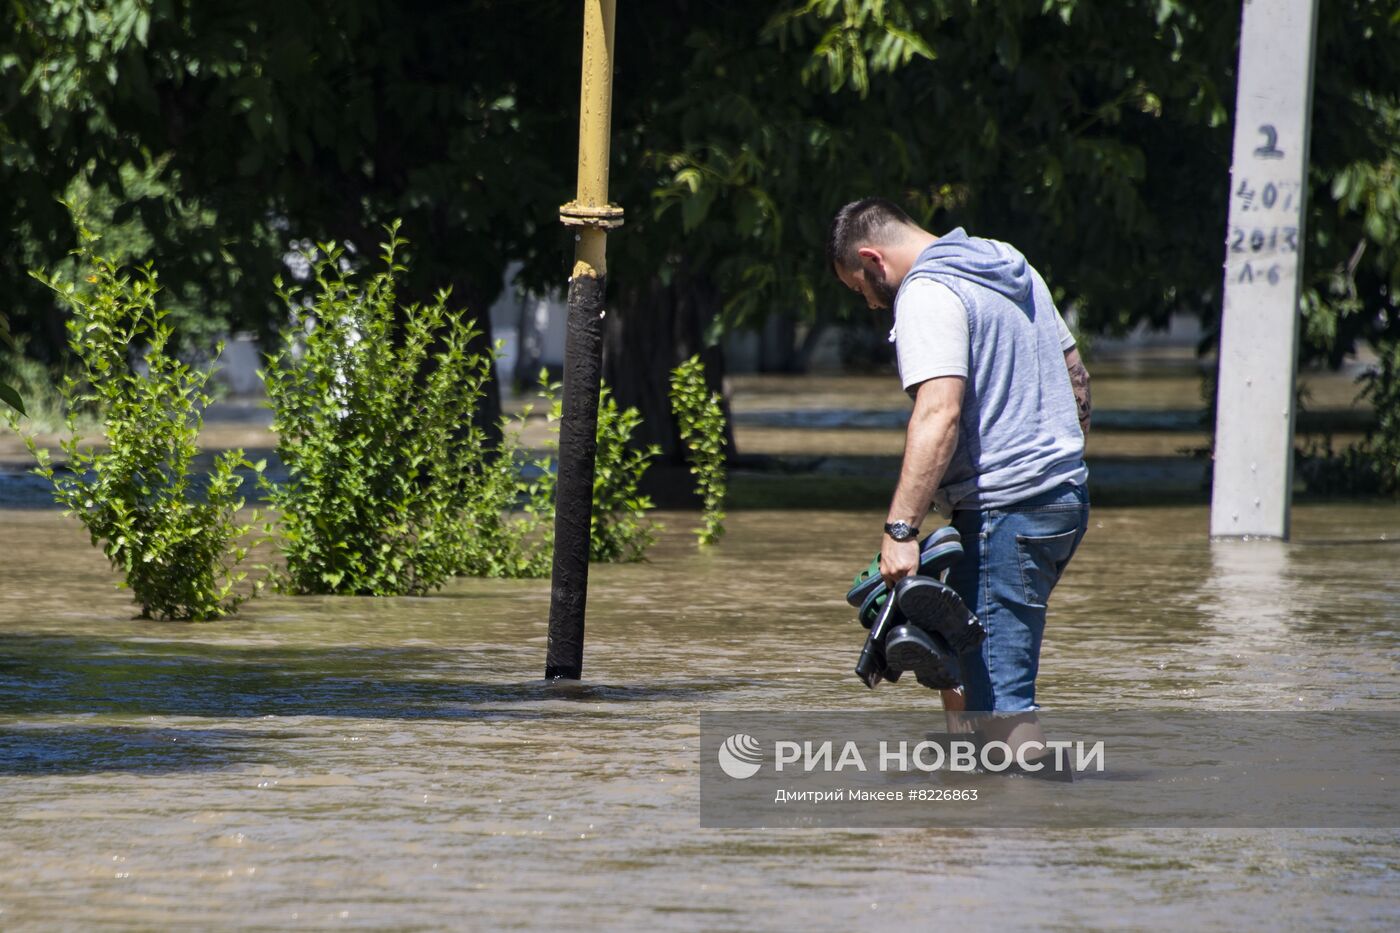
[
  {"x": 619, "y": 530},
  {"x": 179, "y": 554},
  {"x": 700, "y": 418},
  {"x": 1372, "y": 466},
  {"x": 373, "y": 404},
  {"x": 1381, "y": 387},
  {"x": 392, "y": 488},
  {"x": 512, "y": 516}
]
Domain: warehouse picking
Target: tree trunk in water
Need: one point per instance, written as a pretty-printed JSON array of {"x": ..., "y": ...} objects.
[{"x": 649, "y": 330}]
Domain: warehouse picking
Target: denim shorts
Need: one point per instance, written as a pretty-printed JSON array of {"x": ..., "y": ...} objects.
[{"x": 1013, "y": 557}]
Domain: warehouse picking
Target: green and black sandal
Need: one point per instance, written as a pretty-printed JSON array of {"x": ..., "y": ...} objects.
[{"x": 939, "y": 551}]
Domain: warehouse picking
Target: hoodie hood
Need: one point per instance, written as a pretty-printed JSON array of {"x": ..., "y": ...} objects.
[{"x": 989, "y": 263}]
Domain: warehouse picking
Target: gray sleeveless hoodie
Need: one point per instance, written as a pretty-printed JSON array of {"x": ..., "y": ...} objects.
[{"x": 1019, "y": 432}]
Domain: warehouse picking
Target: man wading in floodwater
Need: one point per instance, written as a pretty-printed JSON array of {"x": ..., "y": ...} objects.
[{"x": 996, "y": 438}]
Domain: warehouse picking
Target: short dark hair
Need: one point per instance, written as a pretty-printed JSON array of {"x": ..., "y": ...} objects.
[{"x": 858, "y": 224}]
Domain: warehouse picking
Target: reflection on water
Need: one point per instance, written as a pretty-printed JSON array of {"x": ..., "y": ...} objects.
[
  {"x": 399, "y": 762},
  {"x": 1250, "y": 592}
]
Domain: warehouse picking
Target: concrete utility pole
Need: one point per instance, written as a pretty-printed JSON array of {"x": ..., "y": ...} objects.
[
  {"x": 1253, "y": 476},
  {"x": 591, "y": 215}
]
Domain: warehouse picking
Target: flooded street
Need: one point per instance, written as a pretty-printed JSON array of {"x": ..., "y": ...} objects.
[
  {"x": 352, "y": 297},
  {"x": 399, "y": 763}
]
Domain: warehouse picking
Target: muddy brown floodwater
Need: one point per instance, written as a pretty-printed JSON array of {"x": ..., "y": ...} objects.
[{"x": 398, "y": 763}]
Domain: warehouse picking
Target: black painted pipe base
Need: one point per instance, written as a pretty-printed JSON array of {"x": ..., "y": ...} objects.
[{"x": 573, "y": 497}]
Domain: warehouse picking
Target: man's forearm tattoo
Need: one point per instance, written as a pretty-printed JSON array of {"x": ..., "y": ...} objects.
[{"x": 1079, "y": 379}]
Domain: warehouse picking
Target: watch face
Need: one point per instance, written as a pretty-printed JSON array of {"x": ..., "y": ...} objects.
[{"x": 899, "y": 531}]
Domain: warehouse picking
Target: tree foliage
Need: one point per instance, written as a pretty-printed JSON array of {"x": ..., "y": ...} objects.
[
  {"x": 1094, "y": 134},
  {"x": 222, "y": 130}
]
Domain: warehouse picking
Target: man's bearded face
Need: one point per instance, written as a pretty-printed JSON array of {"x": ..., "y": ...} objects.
[{"x": 880, "y": 288}]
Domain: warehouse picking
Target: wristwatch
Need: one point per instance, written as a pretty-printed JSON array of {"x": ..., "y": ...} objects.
[{"x": 901, "y": 531}]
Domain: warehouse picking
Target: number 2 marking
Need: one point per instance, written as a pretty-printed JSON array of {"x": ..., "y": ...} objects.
[{"x": 1270, "y": 149}]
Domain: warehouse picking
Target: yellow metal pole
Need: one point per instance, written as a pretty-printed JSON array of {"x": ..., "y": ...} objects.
[
  {"x": 590, "y": 210},
  {"x": 591, "y": 216}
]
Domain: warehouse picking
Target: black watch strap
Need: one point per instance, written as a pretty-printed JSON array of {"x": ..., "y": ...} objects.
[{"x": 901, "y": 531}]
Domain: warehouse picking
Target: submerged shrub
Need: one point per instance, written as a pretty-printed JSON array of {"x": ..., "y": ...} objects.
[
  {"x": 391, "y": 486},
  {"x": 700, "y": 418},
  {"x": 178, "y": 551},
  {"x": 1371, "y": 466},
  {"x": 1381, "y": 387},
  {"x": 619, "y": 530},
  {"x": 374, "y": 404},
  {"x": 1326, "y": 471},
  {"x": 511, "y": 523}
]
